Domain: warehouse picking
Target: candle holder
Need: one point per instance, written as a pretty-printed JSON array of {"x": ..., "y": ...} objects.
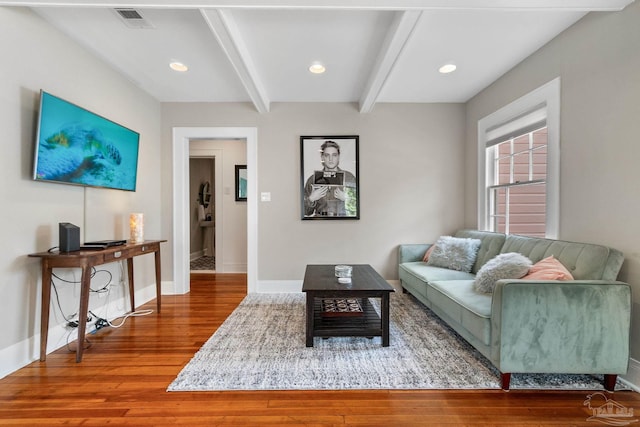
[{"x": 136, "y": 228}]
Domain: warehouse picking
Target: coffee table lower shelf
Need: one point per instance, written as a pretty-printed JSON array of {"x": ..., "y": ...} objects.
[{"x": 365, "y": 324}]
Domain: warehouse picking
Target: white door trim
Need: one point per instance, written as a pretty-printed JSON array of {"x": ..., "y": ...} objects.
[{"x": 181, "y": 138}]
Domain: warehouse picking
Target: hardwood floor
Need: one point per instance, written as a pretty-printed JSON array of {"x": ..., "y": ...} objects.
[{"x": 123, "y": 377}]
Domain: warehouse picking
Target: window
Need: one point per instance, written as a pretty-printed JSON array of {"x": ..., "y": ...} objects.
[
  {"x": 518, "y": 165},
  {"x": 517, "y": 190}
]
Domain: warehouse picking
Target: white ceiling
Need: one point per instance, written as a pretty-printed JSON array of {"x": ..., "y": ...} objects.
[{"x": 259, "y": 51}]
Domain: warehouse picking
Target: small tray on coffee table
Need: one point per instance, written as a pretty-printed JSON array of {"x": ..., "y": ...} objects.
[{"x": 337, "y": 307}]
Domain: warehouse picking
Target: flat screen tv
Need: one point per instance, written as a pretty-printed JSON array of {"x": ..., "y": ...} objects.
[{"x": 76, "y": 146}]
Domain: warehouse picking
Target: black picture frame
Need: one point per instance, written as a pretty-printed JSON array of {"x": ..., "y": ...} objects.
[
  {"x": 241, "y": 183},
  {"x": 331, "y": 182}
]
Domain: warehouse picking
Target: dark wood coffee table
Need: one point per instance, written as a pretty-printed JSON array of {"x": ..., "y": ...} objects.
[{"x": 321, "y": 284}]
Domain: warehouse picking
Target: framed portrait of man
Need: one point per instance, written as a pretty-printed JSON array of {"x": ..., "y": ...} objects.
[{"x": 329, "y": 177}]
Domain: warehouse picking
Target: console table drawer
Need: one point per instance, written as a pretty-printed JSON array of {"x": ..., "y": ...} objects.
[
  {"x": 130, "y": 252},
  {"x": 144, "y": 248},
  {"x": 118, "y": 255}
]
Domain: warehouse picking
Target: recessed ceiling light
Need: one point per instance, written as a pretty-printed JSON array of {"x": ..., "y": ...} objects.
[
  {"x": 447, "y": 68},
  {"x": 317, "y": 68},
  {"x": 178, "y": 66}
]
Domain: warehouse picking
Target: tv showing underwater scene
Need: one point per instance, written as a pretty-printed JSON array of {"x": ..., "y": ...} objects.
[{"x": 76, "y": 146}]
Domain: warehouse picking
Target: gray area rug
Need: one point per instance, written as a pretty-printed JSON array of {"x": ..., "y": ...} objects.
[{"x": 261, "y": 346}]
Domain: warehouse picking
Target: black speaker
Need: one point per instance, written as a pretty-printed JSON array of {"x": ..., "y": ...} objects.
[{"x": 69, "y": 237}]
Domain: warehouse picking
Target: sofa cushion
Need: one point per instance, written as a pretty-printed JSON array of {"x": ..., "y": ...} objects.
[
  {"x": 511, "y": 265},
  {"x": 460, "y": 302},
  {"x": 490, "y": 246},
  {"x": 583, "y": 260},
  {"x": 454, "y": 253},
  {"x": 428, "y": 274},
  {"x": 548, "y": 269}
]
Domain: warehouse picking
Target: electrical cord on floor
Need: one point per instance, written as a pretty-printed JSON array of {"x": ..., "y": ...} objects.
[{"x": 126, "y": 316}]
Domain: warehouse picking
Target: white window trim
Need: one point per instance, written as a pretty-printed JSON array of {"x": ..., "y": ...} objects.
[{"x": 548, "y": 95}]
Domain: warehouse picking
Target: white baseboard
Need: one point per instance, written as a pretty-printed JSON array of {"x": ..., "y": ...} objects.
[
  {"x": 277, "y": 286},
  {"x": 231, "y": 267},
  {"x": 632, "y": 378},
  {"x": 395, "y": 284},
  {"x": 168, "y": 288}
]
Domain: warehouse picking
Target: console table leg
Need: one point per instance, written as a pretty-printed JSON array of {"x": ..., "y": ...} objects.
[
  {"x": 84, "y": 310},
  {"x": 158, "y": 278},
  {"x": 44, "y": 311},
  {"x": 132, "y": 291}
]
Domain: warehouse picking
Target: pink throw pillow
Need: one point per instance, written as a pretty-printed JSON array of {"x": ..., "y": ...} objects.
[
  {"x": 548, "y": 269},
  {"x": 425, "y": 258}
]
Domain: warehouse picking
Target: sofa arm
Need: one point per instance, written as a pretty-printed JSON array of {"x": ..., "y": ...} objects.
[
  {"x": 412, "y": 252},
  {"x": 579, "y": 326}
]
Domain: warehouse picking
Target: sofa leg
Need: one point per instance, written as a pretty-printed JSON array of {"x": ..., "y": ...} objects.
[
  {"x": 506, "y": 379},
  {"x": 610, "y": 382}
]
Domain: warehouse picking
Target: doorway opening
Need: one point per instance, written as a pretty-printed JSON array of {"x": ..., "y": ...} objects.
[
  {"x": 202, "y": 205},
  {"x": 181, "y": 140},
  {"x": 218, "y": 220}
]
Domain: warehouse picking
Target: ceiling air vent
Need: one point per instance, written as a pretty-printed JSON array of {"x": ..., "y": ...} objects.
[{"x": 132, "y": 18}]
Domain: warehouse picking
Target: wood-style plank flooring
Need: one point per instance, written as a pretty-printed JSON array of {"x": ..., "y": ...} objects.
[{"x": 123, "y": 377}]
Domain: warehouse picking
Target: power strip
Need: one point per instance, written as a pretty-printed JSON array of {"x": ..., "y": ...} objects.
[
  {"x": 75, "y": 323},
  {"x": 101, "y": 323}
]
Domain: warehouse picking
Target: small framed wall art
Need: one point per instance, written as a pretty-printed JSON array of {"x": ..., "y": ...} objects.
[
  {"x": 241, "y": 183},
  {"x": 329, "y": 177}
]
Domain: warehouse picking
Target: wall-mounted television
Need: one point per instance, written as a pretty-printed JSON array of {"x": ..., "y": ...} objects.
[{"x": 76, "y": 146}]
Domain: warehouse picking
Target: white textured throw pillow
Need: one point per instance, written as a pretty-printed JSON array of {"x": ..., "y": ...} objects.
[
  {"x": 511, "y": 265},
  {"x": 454, "y": 253}
]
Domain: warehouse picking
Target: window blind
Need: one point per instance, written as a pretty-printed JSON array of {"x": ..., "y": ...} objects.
[{"x": 525, "y": 123}]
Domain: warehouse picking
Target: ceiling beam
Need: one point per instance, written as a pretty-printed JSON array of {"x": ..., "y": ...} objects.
[
  {"x": 224, "y": 27},
  {"x": 568, "y": 5},
  {"x": 397, "y": 37}
]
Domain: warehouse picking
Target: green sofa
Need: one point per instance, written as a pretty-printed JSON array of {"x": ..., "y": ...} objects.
[{"x": 580, "y": 326}]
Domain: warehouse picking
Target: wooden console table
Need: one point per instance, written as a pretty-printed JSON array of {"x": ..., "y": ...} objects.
[{"x": 86, "y": 260}]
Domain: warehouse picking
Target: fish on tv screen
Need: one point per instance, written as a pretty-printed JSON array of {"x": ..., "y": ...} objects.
[{"x": 76, "y": 146}]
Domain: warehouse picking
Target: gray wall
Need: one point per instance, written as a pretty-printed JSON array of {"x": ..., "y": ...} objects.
[
  {"x": 411, "y": 177},
  {"x": 43, "y": 58},
  {"x": 598, "y": 61}
]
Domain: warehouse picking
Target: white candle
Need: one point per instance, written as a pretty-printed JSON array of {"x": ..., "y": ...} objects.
[{"x": 136, "y": 228}]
